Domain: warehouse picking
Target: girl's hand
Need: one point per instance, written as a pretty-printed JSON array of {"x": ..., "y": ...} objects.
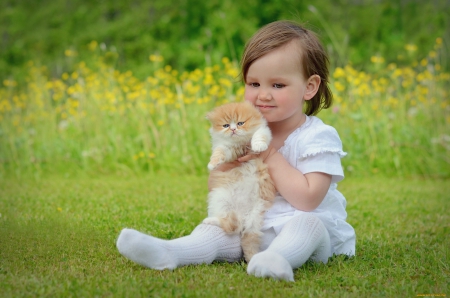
[
  {"x": 252, "y": 155},
  {"x": 212, "y": 179},
  {"x": 225, "y": 167}
]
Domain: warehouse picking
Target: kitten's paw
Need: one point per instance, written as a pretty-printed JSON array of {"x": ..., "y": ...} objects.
[
  {"x": 211, "y": 166},
  {"x": 214, "y": 221},
  {"x": 215, "y": 162},
  {"x": 259, "y": 145}
]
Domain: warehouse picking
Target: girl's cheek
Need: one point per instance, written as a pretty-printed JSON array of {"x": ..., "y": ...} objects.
[{"x": 249, "y": 95}]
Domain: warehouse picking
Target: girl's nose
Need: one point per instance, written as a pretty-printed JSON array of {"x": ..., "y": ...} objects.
[{"x": 264, "y": 95}]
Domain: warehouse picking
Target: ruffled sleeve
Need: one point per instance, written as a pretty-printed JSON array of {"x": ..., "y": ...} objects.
[{"x": 320, "y": 150}]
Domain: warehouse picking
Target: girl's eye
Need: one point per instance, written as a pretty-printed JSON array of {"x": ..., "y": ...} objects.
[
  {"x": 240, "y": 123},
  {"x": 278, "y": 86},
  {"x": 226, "y": 125},
  {"x": 254, "y": 84}
]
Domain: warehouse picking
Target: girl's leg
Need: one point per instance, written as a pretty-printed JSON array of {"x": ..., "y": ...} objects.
[
  {"x": 204, "y": 245},
  {"x": 303, "y": 237}
]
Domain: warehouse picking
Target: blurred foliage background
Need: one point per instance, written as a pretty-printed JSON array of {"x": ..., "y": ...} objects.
[
  {"x": 190, "y": 33},
  {"x": 124, "y": 86}
]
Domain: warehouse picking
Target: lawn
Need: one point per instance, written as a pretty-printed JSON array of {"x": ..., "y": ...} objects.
[{"x": 57, "y": 239}]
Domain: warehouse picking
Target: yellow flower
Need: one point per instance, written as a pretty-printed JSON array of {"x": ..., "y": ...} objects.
[
  {"x": 363, "y": 90},
  {"x": 339, "y": 86},
  {"x": 214, "y": 90},
  {"x": 232, "y": 72},
  {"x": 393, "y": 101},
  {"x": 72, "y": 111},
  {"x": 71, "y": 90},
  {"x": 74, "y": 103},
  {"x": 411, "y": 47},
  {"x": 74, "y": 75},
  {"x": 406, "y": 83},
  {"x": 338, "y": 73},
  {"x": 208, "y": 70},
  {"x": 392, "y": 66},
  {"x": 70, "y": 53},
  {"x": 9, "y": 83},
  {"x": 93, "y": 45},
  {"x": 225, "y": 82},
  {"x": 156, "y": 58},
  {"x": 356, "y": 81},
  {"x": 377, "y": 59},
  {"x": 5, "y": 106},
  {"x": 422, "y": 90},
  {"x": 209, "y": 80},
  {"x": 398, "y": 72},
  {"x": 240, "y": 92}
]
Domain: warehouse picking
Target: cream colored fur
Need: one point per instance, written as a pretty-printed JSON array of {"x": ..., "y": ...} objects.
[{"x": 239, "y": 197}]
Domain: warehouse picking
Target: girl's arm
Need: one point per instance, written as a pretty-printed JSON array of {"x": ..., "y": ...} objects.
[{"x": 303, "y": 191}]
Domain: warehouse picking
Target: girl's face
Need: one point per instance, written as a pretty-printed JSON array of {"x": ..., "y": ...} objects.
[{"x": 275, "y": 84}]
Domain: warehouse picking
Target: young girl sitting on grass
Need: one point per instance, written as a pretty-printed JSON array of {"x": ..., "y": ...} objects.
[{"x": 285, "y": 70}]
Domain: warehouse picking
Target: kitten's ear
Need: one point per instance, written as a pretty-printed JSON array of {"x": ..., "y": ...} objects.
[
  {"x": 209, "y": 115},
  {"x": 213, "y": 114}
]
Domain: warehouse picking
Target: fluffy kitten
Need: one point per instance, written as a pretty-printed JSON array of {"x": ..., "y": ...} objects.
[{"x": 239, "y": 197}]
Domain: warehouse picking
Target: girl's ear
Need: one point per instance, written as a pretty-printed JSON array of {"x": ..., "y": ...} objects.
[{"x": 312, "y": 86}]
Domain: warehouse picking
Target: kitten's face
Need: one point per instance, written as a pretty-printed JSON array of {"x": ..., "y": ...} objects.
[{"x": 235, "y": 120}]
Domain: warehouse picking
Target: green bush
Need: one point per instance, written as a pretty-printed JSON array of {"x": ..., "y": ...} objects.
[{"x": 191, "y": 33}]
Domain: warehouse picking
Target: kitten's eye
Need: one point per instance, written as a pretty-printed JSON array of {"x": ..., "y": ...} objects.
[
  {"x": 240, "y": 123},
  {"x": 226, "y": 125}
]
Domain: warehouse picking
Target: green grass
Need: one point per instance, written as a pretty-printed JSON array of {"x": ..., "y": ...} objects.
[{"x": 57, "y": 239}]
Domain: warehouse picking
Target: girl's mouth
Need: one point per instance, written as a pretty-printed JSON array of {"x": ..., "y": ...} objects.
[{"x": 263, "y": 107}]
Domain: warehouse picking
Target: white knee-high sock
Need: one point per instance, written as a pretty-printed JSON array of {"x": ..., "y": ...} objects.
[
  {"x": 204, "y": 245},
  {"x": 303, "y": 237}
]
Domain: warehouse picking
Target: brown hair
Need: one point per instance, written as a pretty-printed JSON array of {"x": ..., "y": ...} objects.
[{"x": 312, "y": 54}]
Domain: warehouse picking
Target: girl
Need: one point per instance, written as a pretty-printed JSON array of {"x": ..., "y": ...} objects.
[{"x": 285, "y": 70}]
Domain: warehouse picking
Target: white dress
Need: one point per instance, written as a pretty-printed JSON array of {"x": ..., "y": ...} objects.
[{"x": 316, "y": 147}]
